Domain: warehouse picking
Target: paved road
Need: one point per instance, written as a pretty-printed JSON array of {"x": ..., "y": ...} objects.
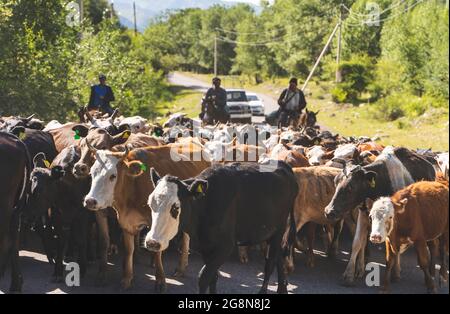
[
  {"x": 235, "y": 278},
  {"x": 198, "y": 85}
]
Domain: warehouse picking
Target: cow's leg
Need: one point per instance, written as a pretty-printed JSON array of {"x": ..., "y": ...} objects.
[
  {"x": 243, "y": 254},
  {"x": 271, "y": 260},
  {"x": 334, "y": 245},
  {"x": 311, "y": 233},
  {"x": 127, "y": 278},
  {"x": 433, "y": 246},
  {"x": 443, "y": 252},
  {"x": 282, "y": 281},
  {"x": 160, "y": 285},
  {"x": 103, "y": 238},
  {"x": 81, "y": 235},
  {"x": 208, "y": 275},
  {"x": 358, "y": 247},
  {"x": 16, "y": 275},
  {"x": 424, "y": 263},
  {"x": 184, "y": 257},
  {"x": 350, "y": 222},
  {"x": 391, "y": 258},
  {"x": 397, "y": 269},
  {"x": 61, "y": 235}
]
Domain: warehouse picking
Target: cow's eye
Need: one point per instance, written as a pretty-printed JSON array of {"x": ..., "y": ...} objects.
[
  {"x": 175, "y": 211},
  {"x": 113, "y": 177}
]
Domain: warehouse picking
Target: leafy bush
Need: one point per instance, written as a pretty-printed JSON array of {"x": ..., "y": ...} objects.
[
  {"x": 338, "y": 95},
  {"x": 356, "y": 76}
]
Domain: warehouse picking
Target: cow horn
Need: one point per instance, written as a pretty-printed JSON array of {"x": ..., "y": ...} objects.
[
  {"x": 29, "y": 118},
  {"x": 217, "y": 124},
  {"x": 125, "y": 153},
  {"x": 114, "y": 115},
  {"x": 88, "y": 115},
  {"x": 91, "y": 148}
]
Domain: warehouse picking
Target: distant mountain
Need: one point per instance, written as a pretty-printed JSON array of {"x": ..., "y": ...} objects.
[{"x": 147, "y": 9}]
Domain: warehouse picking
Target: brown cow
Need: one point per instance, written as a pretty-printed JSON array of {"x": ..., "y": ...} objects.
[
  {"x": 65, "y": 136},
  {"x": 121, "y": 181},
  {"x": 316, "y": 189},
  {"x": 417, "y": 214}
]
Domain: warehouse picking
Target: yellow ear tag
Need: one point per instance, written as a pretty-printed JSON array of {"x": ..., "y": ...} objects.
[
  {"x": 46, "y": 163},
  {"x": 199, "y": 189},
  {"x": 22, "y": 136},
  {"x": 372, "y": 183},
  {"x": 316, "y": 142},
  {"x": 126, "y": 135}
]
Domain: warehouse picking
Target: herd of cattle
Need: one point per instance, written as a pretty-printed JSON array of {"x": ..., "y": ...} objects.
[{"x": 215, "y": 188}]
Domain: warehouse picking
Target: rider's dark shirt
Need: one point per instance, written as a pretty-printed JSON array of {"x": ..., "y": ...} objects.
[{"x": 220, "y": 96}]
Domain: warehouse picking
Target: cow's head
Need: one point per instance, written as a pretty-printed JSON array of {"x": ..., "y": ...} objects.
[
  {"x": 44, "y": 183},
  {"x": 316, "y": 156},
  {"x": 108, "y": 169},
  {"x": 12, "y": 122},
  {"x": 352, "y": 188},
  {"x": 97, "y": 138},
  {"x": 169, "y": 203},
  {"x": 311, "y": 118},
  {"x": 382, "y": 216}
]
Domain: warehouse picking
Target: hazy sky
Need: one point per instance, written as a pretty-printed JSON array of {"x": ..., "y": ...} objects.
[{"x": 249, "y": 1}]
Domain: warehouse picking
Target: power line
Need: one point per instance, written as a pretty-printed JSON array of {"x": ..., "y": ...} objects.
[
  {"x": 224, "y": 39},
  {"x": 369, "y": 15},
  {"x": 370, "y": 22}
]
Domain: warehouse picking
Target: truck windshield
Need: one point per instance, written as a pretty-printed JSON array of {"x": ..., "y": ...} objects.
[{"x": 236, "y": 96}]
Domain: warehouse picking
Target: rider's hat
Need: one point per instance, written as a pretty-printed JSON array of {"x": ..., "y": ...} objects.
[
  {"x": 102, "y": 77},
  {"x": 293, "y": 80},
  {"x": 216, "y": 79}
]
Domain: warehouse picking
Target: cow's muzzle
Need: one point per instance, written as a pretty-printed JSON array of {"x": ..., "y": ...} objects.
[
  {"x": 80, "y": 170},
  {"x": 91, "y": 203},
  {"x": 331, "y": 214},
  {"x": 376, "y": 238},
  {"x": 153, "y": 245}
]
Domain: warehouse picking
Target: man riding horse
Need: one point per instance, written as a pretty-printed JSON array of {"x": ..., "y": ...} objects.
[{"x": 214, "y": 104}]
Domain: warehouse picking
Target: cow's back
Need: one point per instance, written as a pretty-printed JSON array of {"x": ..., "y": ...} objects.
[
  {"x": 64, "y": 136},
  {"x": 316, "y": 189},
  {"x": 246, "y": 203},
  {"x": 418, "y": 167},
  {"x": 40, "y": 141}
]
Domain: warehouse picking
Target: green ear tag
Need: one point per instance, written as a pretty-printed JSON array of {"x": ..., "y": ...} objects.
[
  {"x": 77, "y": 135},
  {"x": 372, "y": 183},
  {"x": 316, "y": 142},
  {"x": 143, "y": 167}
]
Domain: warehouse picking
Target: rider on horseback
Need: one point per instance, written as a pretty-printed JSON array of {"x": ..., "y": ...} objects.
[
  {"x": 292, "y": 101},
  {"x": 214, "y": 104}
]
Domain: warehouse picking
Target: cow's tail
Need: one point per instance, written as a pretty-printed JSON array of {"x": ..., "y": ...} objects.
[{"x": 290, "y": 235}]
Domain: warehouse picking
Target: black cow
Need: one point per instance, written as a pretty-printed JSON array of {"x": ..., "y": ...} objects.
[
  {"x": 225, "y": 205},
  {"x": 7, "y": 124},
  {"x": 37, "y": 142},
  {"x": 393, "y": 169},
  {"x": 56, "y": 188},
  {"x": 14, "y": 170}
]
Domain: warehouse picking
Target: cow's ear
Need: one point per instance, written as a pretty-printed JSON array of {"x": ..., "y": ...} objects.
[
  {"x": 198, "y": 188},
  {"x": 57, "y": 172},
  {"x": 404, "y": 201},
  {"x": 80, "y": 130},
  {"x": 155, "y": 177},
  {"x": 135, "y": 168},
  {"x": 39, "y": 161},
  {"x": 317, "y": 112},
  {"x": 121, "y": 138},
  {"x": 124, "y": 127},
  {"x": 371, "y": 177}
]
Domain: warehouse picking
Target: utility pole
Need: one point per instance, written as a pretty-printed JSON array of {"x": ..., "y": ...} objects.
[
  {"x": 81, "y": 11},
  {"x": 135, "y": 22},
  {"x": 215, "y": 55},
  {"x": 112, "y": 9},
  {"x": 339, "y": 48},
  {"x": 321, "y": 55}
]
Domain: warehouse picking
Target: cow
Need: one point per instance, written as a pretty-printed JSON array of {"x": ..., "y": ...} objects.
[
  {"x": 392, "y": 170},
  {"x": 135, "y": 124},
  {"x": 316, "y": 188},
  {"x": 442, "y": 161},
  {"x": 37, "y": 142},
  {"x": 224, "y": 205},
  {"x": 100, "y": 139},
  {"x": 119, "y": 181},
  {"x": 15, "y": 167},
  {"x": 317, "y": 155},
  {"x": 10, "y": 123},
  {"x": 418, "y": 215},
  {"x": 308, "y": 119},
  {"x": 56, "y": 188}
]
